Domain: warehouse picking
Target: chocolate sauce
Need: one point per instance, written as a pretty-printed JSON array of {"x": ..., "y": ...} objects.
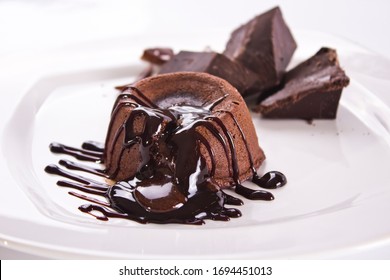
[
  {"x": 173, "y": 183},
  {"x": 270, "y": 180},
  {"x": 80, "y": 154},
  {"x": 93, "y": 146},
  {"x": 253, "y": 194}
]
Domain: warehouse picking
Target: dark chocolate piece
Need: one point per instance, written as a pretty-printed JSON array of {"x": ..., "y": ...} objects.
[
  {"x": 264, "y": 45},
  {"x": 311, "y": 90},
  {"x": 215, "y": 64},
  {"x": 157, "y": 55}
]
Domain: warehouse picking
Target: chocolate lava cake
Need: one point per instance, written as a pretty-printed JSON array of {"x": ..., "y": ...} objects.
[{"x": 155, "y": 121}]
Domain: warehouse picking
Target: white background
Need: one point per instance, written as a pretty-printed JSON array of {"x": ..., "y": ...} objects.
[
  {"x": 32, "y": 28},
  {"x": 42, "y": 24}
]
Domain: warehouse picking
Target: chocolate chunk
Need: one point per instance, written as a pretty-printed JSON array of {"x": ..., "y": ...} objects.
[
  {"x": 264, "y": 45},
  {"x": 215, "y": 64},
  {"x": 311, "y": 90},
  {"x": 157, "y": 55}
]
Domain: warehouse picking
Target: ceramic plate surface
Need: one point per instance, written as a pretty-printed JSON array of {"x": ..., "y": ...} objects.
[{"x": 334, "y": 205}]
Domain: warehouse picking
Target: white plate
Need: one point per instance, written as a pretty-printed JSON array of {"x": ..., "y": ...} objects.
[{"x": 335, "y": 205}]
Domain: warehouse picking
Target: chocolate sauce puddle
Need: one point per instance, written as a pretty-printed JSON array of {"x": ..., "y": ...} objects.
[{"x": 173, "y": 183}]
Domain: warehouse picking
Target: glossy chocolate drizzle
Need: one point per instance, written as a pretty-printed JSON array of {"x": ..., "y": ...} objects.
[{"x": 173, "y": 183}]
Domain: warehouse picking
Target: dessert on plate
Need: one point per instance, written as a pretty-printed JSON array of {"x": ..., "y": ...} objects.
[
  {"x": 174, "y": 142},
  {"x": 180, "y": 136}
]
